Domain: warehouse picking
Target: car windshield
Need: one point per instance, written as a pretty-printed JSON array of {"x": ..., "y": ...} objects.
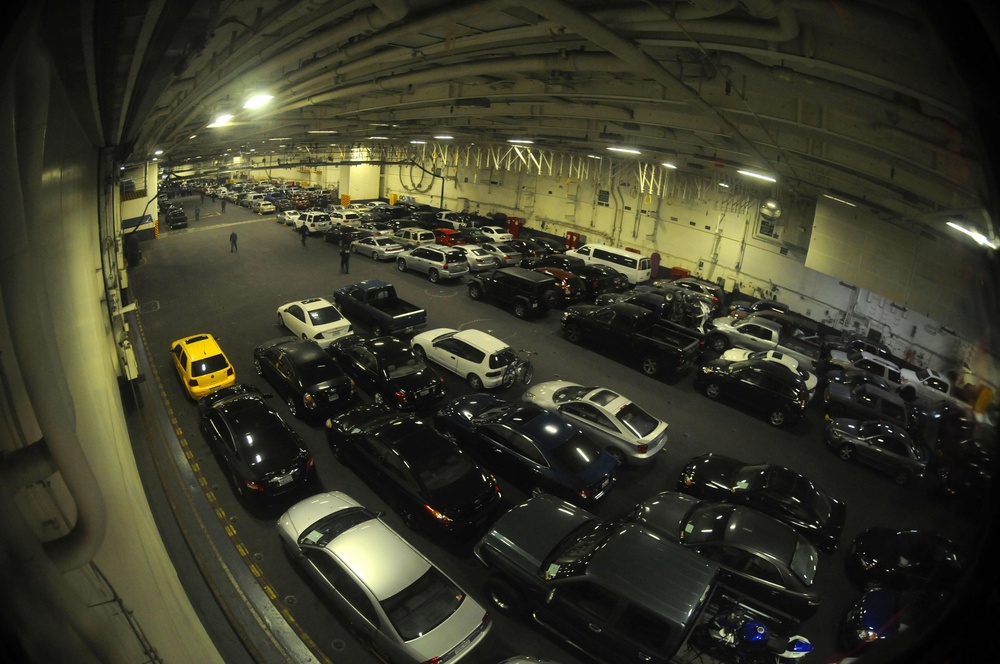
[
  {"x": 401, "y": 364},
  {"x": 493, "y": 412},
  {"x": 570, "y": 557},
  {"x": 478, "y": 252},
  {"x": 502, "y": 358},
  {"x": 577, "y": 454},
  {"x": 749, "y": 478},
  {"x": 571, "y": 393},
  {"x": 804, "y": 561},
  {"x": 384, "y": 242},
  {"x": 706, "y": 524},
  {"x": 329, "y": 527},
  {"x": 799, "y": 495},
  {"x": 636, "y": 420},
  {"x": 209, "y": 365},
  {"x": 324, "y": 315},
  {"x": 422, "y": 606},
  {"x": 318, "y": 371}
]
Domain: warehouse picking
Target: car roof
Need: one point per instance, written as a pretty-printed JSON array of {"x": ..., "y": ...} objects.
[
  {"x": 877, "y": 391},
  {"x": 481, "y": 340},
  {"x": 525, "y": 273},
  {"x": 755, "y": 531},
  {"x": 199, "y": 346},
  {"x": 355, "y": 549}
]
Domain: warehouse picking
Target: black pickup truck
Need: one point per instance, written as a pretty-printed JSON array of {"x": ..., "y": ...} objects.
[
  {"x": 374, "y": 303},
  {"x": 629, "y": 328}
]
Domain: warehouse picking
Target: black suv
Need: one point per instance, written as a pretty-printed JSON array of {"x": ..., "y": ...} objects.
[
  {"x": 615, "y": 591},
  {"x": 528, "y": 291}
]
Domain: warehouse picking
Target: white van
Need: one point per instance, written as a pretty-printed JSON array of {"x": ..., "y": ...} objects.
[{"x": 634, "y": 266}]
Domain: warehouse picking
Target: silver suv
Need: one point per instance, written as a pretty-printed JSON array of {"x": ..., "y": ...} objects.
[
  {"x": 413, "y": 237},
  {"x": 398, "y": 602},
  {"x": 437, "y": 263}
]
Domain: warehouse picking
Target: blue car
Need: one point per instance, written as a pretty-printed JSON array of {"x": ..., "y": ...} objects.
[{"x": 531, "y": 447}]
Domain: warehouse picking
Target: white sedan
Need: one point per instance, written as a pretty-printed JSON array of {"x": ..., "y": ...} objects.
[
  {"x": 475, "y": 356},
  {"x": 626, "y": 431},
  {"x": 288, "y": 217},
  {"x": 315, "y": 319},
  {"x": 496, "y": 233},
  {"x": 809, "y": 378}
]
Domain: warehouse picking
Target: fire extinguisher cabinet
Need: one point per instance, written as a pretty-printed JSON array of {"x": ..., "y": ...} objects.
[{"x": 572, "y": 240}]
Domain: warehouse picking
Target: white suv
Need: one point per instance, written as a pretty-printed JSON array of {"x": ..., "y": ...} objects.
[
  {"x": 315, "y": 222},
  {"x": 475, "y": 356}
]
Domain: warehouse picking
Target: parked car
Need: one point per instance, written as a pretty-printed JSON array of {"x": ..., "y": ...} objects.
[
  {"x": 201, "y": 365},
  {"x": 423, "y": 474},
  {"x": 599, "y": 279},
  {"x": 262, "y": 206},
  {"x": 478, "y": 258},
  {"x": 398, "y": 602},
  {"x": 339, "y": 233},
  {"x": 304, "y": 375},
  {"x": 261, "y": 455},
  {"x": 743, "y": 308},
  {"x": 859, "y": 359},
  {"x": 389, "y": 370},
  {"x": 758, "y": 555},
  {"x": 527, "y": 291},
  {"x": 854, "y": 377},
  {"x": 504, "y": 253},
  {"x": 865, "y": 402},
  {"x": 762, "y": 385},
  {"x": 313, "y": 221},
  {"x": 629, "y": 434},
  {"x": 882, "y": 445},
  {"x": 903, "y": 559},
  {"x": 436, "y": 262},
  {"x": 882, "y": 614},
  {"x": 553, "y": 246},
  {"x": 496, "y": 233},
  {"x": 475, "y": 356},
  {"x": 768, "y": 488},
  {"x": 314, "y": 318},
  {"x": 532, "y": 447},
  {"x": 809, "y": 378},
  {"x": 528, "y": 248},
  {"x": 706, "y": 287},
  {"x": 380, "y": 248},
  {"x": 561, "y": 261},
  {"x": 472, "y": 235},
  {"x": 569, "y": 287},
  {"x": 176, "y": 218},
  {"x": 928, "y": 384},
  {"x": 376, "y": 228},
  {"x": 288, "y": 217},
  {"x": 346, "y": 217},
  {"x": 412, "y": 236},
  {"x": 449, "y": 237}
]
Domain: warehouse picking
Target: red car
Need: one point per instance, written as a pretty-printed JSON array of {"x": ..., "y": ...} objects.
[{"x": 448, "y": 237}]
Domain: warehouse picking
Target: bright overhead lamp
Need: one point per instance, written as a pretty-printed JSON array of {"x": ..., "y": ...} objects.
[
  {"x": 221, "y": 120},
  {"x": 443, "y": 137},
  {"x": 322, "y": 131},
  {"x": 667, "y": 164},
  {"x": 378, "y": 138},
  {"x": 757, "y": 176},
  {"x": 839, "y": 200},
  {"x": 625, "y": 150},
  {"x": 521, "y": 141},
  {"x": 981, "y": 239},
  {"x": 724, "y": 185},
  {"x": 415, "y": 142},
  {"x": 192, "y": 136},
  {"x": 593, "y": 156},
  {"x": 257, "y": 101}
]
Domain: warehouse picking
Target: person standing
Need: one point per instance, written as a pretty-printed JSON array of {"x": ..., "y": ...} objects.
[
  {"x": 303, "y": 231},
  {"x": 197, "y": 213},
  {"x": 223, "y": 204},
  {"x": 345, "y": 255},
  {"x": 232, "y": 242}
]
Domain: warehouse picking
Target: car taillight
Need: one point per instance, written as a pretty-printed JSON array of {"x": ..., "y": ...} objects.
[
  {"x": 585, "y": 493},
  {"x": 401, "y": 397},
  {"x": 643, "y": 448},
  {"x": 310, "y": 463},
  {"x": 493, "y": 374},
  {"x": 254, "y": 486},
  {"x": 443, "y": 518},
  {"x": 308, "y": 400}
]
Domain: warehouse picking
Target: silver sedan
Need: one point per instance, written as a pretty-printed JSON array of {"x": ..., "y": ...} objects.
[
  {"x": 377, "y": 247},
  {"x": 625, "y": 430}
]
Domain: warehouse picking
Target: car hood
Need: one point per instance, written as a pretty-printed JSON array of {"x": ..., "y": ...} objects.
[
  {"x": 839, "y": 391},
  {"x": 709, "y": 476},
  {"x": 665, "y": 513},
  {"x": 463, "y": 409},
  {"x": 542, "y": 393},
  {"x": 527, "y": 534}
]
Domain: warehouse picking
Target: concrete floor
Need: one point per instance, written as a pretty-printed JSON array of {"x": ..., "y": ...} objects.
[{"x": 188, "y": 281}]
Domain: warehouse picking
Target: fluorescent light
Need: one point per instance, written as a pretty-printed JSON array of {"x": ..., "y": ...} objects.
[
  {"x": 974, "y": 234},
  {"x": 418, "y": 142},
  {"x": 322, "y": 131},
  {"x": 593, "y": 156},
  {"x": 520, "y": 141},
  {"x": 378, "y": 138},
  {"x": 758, "y": 176},
  {"x": 667, "y": 164},
  {"x": 192, "y": 136},
  {"x": 157, "y": 152},
  {"x": 443, "y": 137},
  {"x": 257, "y": 101},
  {"x": 625, "y": 150},
  {"x": 724, "y": 185},
  {"x": 839, "y": 200}
]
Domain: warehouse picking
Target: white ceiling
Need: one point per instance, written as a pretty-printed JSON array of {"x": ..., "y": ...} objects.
[{"x": 862, "y": 99}]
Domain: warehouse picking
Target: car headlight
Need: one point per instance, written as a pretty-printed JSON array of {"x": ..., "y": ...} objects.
[
  {"x": 308, "y": 400},
  {"x": 866, "y": 635}
]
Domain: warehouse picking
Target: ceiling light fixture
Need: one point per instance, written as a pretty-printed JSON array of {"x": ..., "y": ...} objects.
[
  {"x": 221, "y": 120},
  {"x": 415, "y": 142},
  {"x": 667, "y": 164},
  {"x": 378, "y": 138},
  {"x": 322, "y": 131},
  {"x": 757, "y": 176},
  {"x": 521, "y": 141},
  {"x": 724, "y": 185},
  {"x": 974, "y": 234},
  {"x": 257, "y": 101},
  {"x": 625, "y": 150},
  {"x": 593, "y": 156},
  {"x": 839, "y": 200},
  {"x": 443, "y": 137}
]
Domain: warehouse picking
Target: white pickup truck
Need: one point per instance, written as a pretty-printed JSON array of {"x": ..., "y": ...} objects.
[{"x": 756, "y": 334}]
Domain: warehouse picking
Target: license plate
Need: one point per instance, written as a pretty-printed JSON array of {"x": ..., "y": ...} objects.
[
  {"x": 334, "y": 396},
  {"x": 424, "y": 393},
  {"x": 283, "y": 480}
]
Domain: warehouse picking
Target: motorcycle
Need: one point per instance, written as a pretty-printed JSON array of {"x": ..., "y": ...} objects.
[{"x": 743, "y": 635}]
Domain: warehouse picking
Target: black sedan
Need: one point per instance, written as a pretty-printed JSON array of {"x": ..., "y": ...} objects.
[
  {"x": 855, "y": 377},
  {"x": 882, "y": 445},
  {"x": 774, "y": 490},
  {"x": 882, "y": 613},
  {"x": 427, "y": 477},
  {"x": 306, "y": 377},
  {"x": 264, "y": 458},
  {"x": 760, "y": 384},
  {"x": 903, "y": 559},
  {"x": 759, "y": 556},
  {"x": 599, "y": 279},
  {"x": 561, "y": 261},
  {"x": 532, "y": 447},
  {"x": 528, "y": 248},
  {"x": 387, "y": 368}
]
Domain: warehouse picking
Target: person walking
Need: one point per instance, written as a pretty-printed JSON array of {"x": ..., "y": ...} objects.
[
  {"x": 232, "y": 242},
  {"x": 345, "y": 256},
  {"x": 223, "y": 204},
  {"x": 303, "y": 231},
  {"x": 197, "y": 213},
  {"x": 203, "y": 197}
]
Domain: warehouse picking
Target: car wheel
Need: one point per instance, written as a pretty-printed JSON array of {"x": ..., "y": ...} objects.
[
  {"x": 712, "y": 390},
  {"x": 902, "y": 477},
  {"x": 574, "y": 334},
  {"x": 401, "y": 264},
  {"x": 257, "y": 367},
  {"x": 777, "y": 418},
  {"x": 846, "y": 451},
  {"x": 504, "y": 597},
  {"x": 521, "y": 309},
  {"x": 476, "y": 292},
  {"x": 650, "y": 365},
  {"x": 475, "y": 382},
  {"x": 434, "y": 276},
  {"x": 718, "y": 343},
  {"x": 419, "y": 352},
  {"x": 618, "y": 455},
  {"x": 292, "y": 407},
  {"x": 908, "y": 393},
  {"x": 551, "y": 299}
]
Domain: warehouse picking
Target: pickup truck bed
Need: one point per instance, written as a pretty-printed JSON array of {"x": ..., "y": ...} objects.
[{"x": 374, "y": 303}]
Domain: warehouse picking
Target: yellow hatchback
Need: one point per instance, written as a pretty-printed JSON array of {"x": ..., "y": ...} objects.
[{"x": 202, "y": 365}]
